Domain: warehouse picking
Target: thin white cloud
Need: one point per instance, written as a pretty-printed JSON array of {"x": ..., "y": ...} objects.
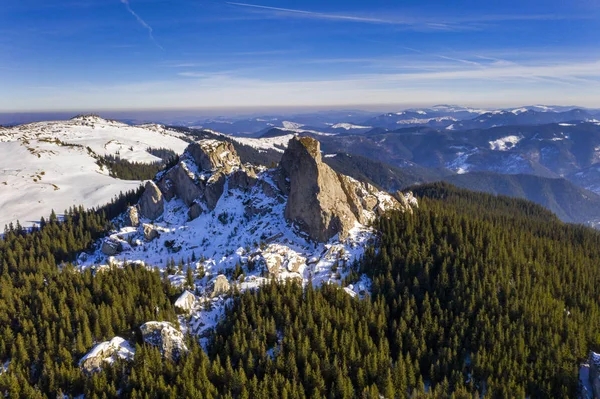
[
  {"x": 317, "y": 14},
  {"x": 459, "y": 60},
  {"x": 143, "y": 23},
  {"x": 446, "y": 23}
]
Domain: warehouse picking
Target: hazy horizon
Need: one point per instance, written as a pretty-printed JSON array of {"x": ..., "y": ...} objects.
[{"x": 159, "y": 115}]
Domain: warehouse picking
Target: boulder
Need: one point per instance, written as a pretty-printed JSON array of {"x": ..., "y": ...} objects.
[
  {"x": 150, "y": 232},
  {"x": 186, "y": 301},
  {"x": 111, "y": 247},
  {"x": 317, "y": 202},
  {"x": 220, "y": 285},
  {"x": 166, "y": 337},
  {"x": 152, "y": 202},
  {"x": 106, "y": 352},
  {"x": 132, "y": 217},
  {"x": 195, "y": 211},
  {"x": 214, "y": 154}
]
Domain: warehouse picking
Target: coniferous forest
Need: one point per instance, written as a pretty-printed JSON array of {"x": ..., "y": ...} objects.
[{"x": 472, "y": 295}]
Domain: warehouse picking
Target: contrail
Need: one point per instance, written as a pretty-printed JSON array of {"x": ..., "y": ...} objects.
[
  {"x": 143, "y": 23},
  {"x": 316, "y": 14}
]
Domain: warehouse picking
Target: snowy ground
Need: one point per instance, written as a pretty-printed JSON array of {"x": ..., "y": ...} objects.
[
  {"x": 278, "y": 143},
  {"x": 47, "y": 165}
]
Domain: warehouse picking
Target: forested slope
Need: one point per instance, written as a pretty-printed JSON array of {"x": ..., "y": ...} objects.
[{"x": 472, "y": 294}]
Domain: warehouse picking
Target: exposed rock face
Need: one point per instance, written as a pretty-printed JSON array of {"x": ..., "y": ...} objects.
[
  {"x": 315, "y": 200},
  {"x": 180, "y": 181},
  {"x": 195, "y": 211},
  {"x": 186, "y": 301},
  {"x": 202, "y": 173},
  {"x": 150, "y": 232},
  {"x": 111, "y": 247},
  {"x": 221, "y": 285},
  {"x": 164, "y": 335},
  {"x": 152, "y": 202},
  {"x": 242, "y": 179},
  {"x": 407, "y": 200},
  {"x": 106, "y": 352},
  {"x": 213, "y": 155},
  {"x": 278, "y": 258},
  {"x": 214, "y": 189},
  {"x": 322, "y": 202},
  {"x": 132, "y": 217}
]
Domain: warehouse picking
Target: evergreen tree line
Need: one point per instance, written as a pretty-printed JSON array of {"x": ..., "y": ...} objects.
[
  {"x": 127, "y": 170},
  {"x": 473, "y": 295}
]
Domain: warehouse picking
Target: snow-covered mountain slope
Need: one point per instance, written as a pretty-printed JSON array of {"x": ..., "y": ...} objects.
[
  {"x": 52, "y": 165},
  {"x": 275, "y": 143},
  {"x": 212, "y": 215}
]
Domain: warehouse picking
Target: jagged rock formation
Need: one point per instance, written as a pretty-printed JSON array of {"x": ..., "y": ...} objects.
[
  {"x": 211, "y": 155},
  {"x": 132, "y": 217},
  {"x": 166, "y": 337},
  {"x": 186, "y": 301},
  {"x": 106, "y": 352},
  {"x": 220, "y": 286},
  {"x": 150, "y": 232},
  {"x": 199, "y": 178},
  {"x": 322, "y": 202},
  {"x": 152, "y": 202}
]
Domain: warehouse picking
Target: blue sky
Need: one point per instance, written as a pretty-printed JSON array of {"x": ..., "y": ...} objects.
[{"x": 134, "y": 54}]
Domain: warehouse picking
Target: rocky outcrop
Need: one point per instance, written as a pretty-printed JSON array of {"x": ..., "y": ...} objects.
[
  {"x": 220, "y": 285},
  {"x": 242, "y": 179},
  {"x": 152, "y": 202},
  {"x": 150, "y": 232},
  {"x": 201, "y": 175},
  {"x": 211, "y": 155},
  {"x": 195, "y": 211},
  {"x": 316, "y": 202},
  {"x": 166, "y": 337},
  {"x": 111, "y": 247},
  {"x": 186, "y": 301},
  {"x": 180, "y": 181},
  {"x": 322, "y": 202},
  {"x": 214, "y": 189},
  {"x": 132, "y": 217},
  {"x": 106, "y": 352}
]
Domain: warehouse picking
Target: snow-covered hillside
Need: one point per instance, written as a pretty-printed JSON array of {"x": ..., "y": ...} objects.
[{"x": 52, "y": 165}]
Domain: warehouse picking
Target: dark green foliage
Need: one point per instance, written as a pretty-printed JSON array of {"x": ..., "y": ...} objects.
[
  {"x": 495, "y": 280},
  {"x": 127, "y": 170},
  {"x": 570, "y": 203},
  {"x": 165, "y": 154},
  {"x": 51, "y": 316}
]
